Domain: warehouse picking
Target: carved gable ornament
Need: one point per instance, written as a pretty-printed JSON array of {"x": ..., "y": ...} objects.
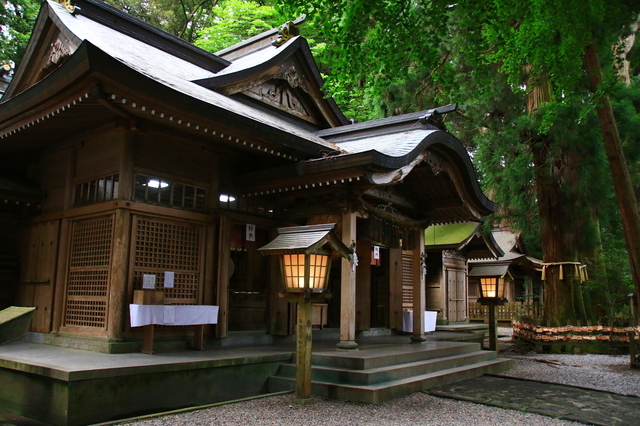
[
  {"x": 283, "y": 93},
  {"x": 67, "y": 5},
  {"x": 286, "y": 32},
  {"x": 59, "y": 50}
]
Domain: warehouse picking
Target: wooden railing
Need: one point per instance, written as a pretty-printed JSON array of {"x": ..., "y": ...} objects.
[{"x": 507, "y": 312}]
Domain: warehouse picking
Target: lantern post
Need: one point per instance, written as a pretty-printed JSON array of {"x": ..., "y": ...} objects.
[
  {"x": 492, "y": 295},
  {"x": 305, "y": 271}
]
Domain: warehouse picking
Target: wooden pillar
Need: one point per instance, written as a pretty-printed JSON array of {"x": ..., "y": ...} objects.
[
  {"x": 493, "y": 327},
  {"x": 119, "y": 274},
  {"x": 363, "y": 286},
  {"x": 118, "y": 286},
  {"x": 395, "y": 289},
  {"x": 61, "y": 275},
  {"x": 419, "y": 298},
  {"x": 348, "y": 287},
  {"x": 224, "y": 256}
]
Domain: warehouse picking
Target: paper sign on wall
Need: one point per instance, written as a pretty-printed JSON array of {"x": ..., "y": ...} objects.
[
  {"x": 376, "y": 252},
  {"x": 251, "y": 232},
  {"x": 168, "y": 279},
  {"x": 148, "y": 281}
]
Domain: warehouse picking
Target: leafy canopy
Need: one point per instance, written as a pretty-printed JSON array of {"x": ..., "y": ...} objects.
[{"x": 235, "y": 21}]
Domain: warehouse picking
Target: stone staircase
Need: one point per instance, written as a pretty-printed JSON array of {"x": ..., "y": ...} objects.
[{"x": 381, "y": 373}]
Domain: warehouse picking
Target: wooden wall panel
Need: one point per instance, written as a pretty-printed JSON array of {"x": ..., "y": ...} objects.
[
  {"x": 182, "y": 159},
  {"x": 53, "y": 180},
  {"x": 98, "y": 156}
]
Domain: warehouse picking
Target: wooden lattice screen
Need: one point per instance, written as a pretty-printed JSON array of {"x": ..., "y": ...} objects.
[
  {"x": 89, "y": 265},
  {"x": 407, "y": 280},
  {"x": 164, "y": 245}
]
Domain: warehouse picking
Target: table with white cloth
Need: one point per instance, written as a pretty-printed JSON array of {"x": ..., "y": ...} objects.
[
  {"x": 148, "y": 316},
  {"x": 429, "y": 321}
]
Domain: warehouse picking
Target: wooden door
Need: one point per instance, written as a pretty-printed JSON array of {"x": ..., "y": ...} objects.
[
  {"x": 249, "y": 278},
  {"x": 39, "y": 253},
  {"x": 457, "y": 295}
]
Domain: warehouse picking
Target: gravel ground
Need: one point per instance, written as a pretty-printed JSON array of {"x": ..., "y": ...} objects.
[{"x": 602, "y": 372}]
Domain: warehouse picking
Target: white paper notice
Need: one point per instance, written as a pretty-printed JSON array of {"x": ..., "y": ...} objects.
[
  {"x": 168, "y": 279},
  {"x": 148, "y": 281},
  {"x": 376, "y": 252},
  {"x": 251, "y": 232},
  {"x": 169, "y": 314}
]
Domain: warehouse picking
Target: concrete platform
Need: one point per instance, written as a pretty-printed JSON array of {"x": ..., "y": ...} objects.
[{"x": 64, "y": 386}]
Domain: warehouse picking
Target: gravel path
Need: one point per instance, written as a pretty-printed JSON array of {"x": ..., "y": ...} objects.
[{"x": 602, "y": 372}]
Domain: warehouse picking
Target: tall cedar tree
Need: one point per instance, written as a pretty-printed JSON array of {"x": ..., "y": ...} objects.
[{"x": 536, "y": 49}]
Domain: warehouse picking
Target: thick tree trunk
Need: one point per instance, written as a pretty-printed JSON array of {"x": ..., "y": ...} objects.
[
  {"x": 625, "y": 194},
  {"x": 555, "y": 219},
  {"x": 554, "y": 209}
]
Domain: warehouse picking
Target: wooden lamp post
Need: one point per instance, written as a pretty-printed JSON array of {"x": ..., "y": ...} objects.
[
  {"x": 305, "y": 271},
  {"x": 492, "y": 295}
]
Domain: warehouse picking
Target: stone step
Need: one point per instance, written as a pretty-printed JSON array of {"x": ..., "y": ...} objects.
[
  {"x": 385, "y": 356},
  {"x": 371, "y": 376},
  {"x": 385, "y": 391}
]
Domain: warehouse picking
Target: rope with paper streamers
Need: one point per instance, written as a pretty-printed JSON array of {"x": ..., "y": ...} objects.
[{"x": 580, "y": 269}]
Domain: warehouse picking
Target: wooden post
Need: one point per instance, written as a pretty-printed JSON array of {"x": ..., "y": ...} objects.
[
  {"x": 395, "y": 289},
  {"x": 119, "y": 273},
  {"x": 61, "y": 275},
  {"x": 493, "y": 327},
  {"x": 348, "y": 288},
  {"x": 224, "y": 256},
  {"x": 303, "y": 353},
  {"x": 363, "y": 286},
  {"x": 419, "y": 298}
]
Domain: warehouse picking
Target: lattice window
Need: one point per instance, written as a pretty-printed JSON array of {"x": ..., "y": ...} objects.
[
  {"x": 163, "y": 192},
  {"x": 96, "y": 191},
  {"x": 89, "y": 263},
  {"x": 253, "y": 205},
  {"x": 169, "y": 246},
  {"x": 87, "y": 313},
  {"x": 407, "y": 281}
]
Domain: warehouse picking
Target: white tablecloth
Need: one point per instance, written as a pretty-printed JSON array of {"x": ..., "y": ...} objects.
[
  {"x": 173, "y": 314},
  {"x": 429, "y": 321}
]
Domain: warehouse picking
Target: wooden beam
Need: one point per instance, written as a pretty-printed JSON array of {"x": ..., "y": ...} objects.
[{"x": 398, "y": 200}]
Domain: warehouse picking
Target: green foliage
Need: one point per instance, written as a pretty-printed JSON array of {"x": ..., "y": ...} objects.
[
  {"x": 236, "y": 20},
  {"x": 182, "y": 18},
  {"x": 16, "y": 21}
]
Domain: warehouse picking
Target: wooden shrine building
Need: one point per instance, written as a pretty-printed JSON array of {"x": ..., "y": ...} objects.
[
  {"x": 450, "y": 250},
  {"x": 126, "y": 151}
]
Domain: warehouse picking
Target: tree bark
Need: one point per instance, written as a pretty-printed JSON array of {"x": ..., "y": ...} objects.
[
  {"x": 625, "y": 194},
  {"x": 555, "y": 220},
  {"x": 554, "y": 209}
]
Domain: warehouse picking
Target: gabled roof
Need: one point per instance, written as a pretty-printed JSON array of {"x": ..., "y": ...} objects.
[
  {"x": 144, "y": 68},
  {"x": 509, "y": 243},
  {"x": 98, "y": 68},
  {"x": 465, "y": 236},
  {"x": 293, "y": 62}
]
